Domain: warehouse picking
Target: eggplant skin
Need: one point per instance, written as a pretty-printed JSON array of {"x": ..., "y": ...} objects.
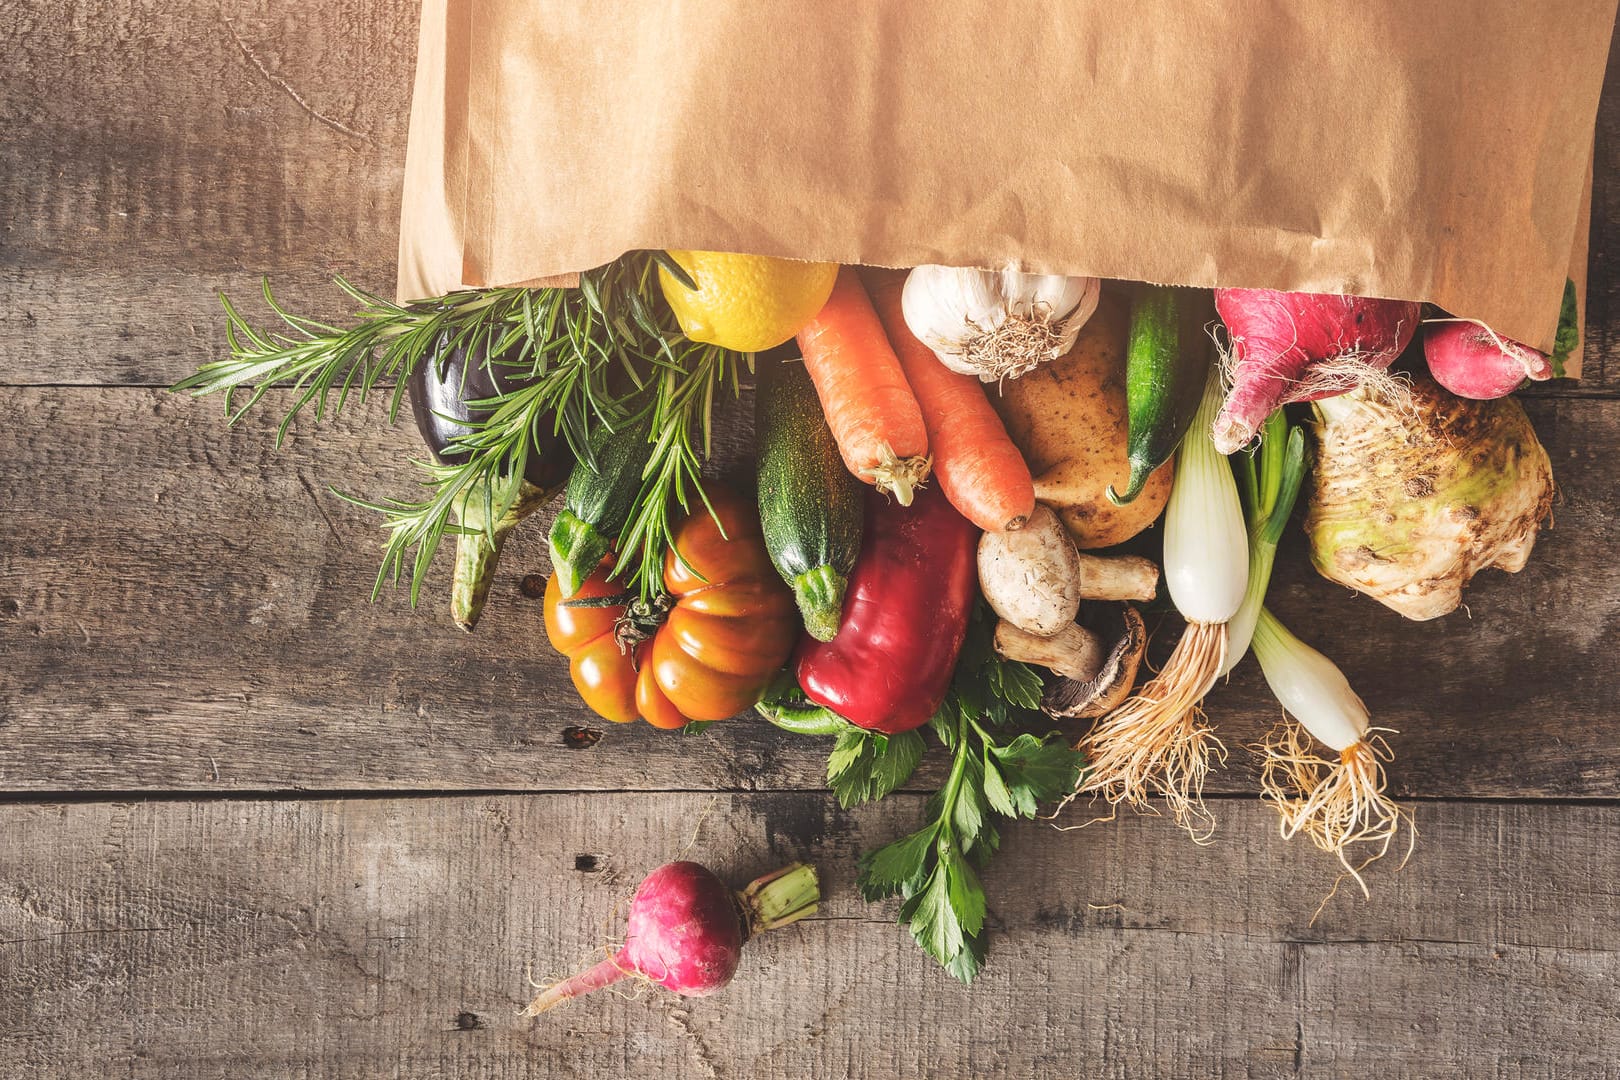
[{"x": 440, "y": 390}]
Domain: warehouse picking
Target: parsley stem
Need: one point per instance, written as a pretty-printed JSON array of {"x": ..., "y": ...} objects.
[{"x": 953, "y": 783}]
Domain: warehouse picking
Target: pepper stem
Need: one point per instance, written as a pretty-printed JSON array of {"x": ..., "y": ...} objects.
[
  {"x": 479, "y": 549},
  {"x": 780, "y": 898}
]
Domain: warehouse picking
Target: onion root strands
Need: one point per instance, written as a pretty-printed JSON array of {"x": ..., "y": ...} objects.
[
  {"x": 1158, "y": 742},
  {"x": 1336, "y": 802}
]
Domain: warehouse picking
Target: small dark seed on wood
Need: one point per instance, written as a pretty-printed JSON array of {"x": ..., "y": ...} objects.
[
  {"x": 580, "y": 738},
  {"x": 586, "y": 864},
  {"x": 533, "y": 586},
  {"x": 469, "y": 1021}
]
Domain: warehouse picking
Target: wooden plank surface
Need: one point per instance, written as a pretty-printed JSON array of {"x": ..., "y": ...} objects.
[
  {"x": 191, "y": 607},
  {"x": 235, "y": 939},
  {"x": 152, "y": 155}
]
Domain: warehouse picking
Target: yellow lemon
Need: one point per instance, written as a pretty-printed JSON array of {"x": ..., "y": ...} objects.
[{"x": 746, "y": 303}]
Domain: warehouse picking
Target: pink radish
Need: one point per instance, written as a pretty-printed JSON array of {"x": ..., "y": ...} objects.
[
  {"x": 686, "y": 930},
  {"x": 1287, "y": 347},
  {"x": 1472, "y": 361}
]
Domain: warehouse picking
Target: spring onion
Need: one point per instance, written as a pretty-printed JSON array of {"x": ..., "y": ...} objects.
[
  {"x": 1271, "y": 478},
  {"x": 1334, "y": 802},
  {"x": 1157, "y": 742}
]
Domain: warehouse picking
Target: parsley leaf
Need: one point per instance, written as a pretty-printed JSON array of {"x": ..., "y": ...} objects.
[
  {"x": 865, "y": 766},
  {"x": 897, "y": 867},
  {"x": 935, "y": 869},
  {"x": 1029, "y": 771},
  {"x": 966, "y": 964},
  {"x": 931, "y": 918}
]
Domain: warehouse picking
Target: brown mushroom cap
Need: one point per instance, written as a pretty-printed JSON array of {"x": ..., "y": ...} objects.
[{"x": 1074, "y": 699}]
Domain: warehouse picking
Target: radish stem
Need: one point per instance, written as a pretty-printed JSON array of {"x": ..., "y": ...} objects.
[{"x": 780, "y": 898}]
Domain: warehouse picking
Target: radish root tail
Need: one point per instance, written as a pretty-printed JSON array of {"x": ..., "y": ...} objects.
[
  {"x": 1157, "y": 742},
  {"x": 1334, "y": 803},
  {"x": 606, "y": 973}
]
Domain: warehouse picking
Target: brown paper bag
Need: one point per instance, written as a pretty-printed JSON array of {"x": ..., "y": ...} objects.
[{"x": 1436, "y": 151}]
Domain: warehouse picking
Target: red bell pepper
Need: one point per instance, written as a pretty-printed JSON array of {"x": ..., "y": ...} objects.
[{"x": 905, "y": 617}]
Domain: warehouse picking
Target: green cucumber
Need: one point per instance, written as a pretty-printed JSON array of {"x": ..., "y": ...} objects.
[
  {"x": 597, "y": 502},
  {"x": 811, "y": 510},
  {"x": 1166, "y": 363}
]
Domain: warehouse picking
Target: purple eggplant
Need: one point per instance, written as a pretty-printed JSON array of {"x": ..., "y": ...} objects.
[{"x": 440, "y": 391}]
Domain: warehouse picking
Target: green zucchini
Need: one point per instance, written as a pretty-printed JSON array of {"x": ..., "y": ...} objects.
[
  {"x": 811, "y": 509},
  {"x": 597, "y": 502},
  {"x": 1165, "y": 366}
]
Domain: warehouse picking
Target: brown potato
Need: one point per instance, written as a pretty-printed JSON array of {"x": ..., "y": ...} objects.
[{"x": 1068, "y": 417}]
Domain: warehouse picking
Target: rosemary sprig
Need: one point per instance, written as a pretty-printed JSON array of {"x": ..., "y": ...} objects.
[
  {"x": 613, "y": 316},
  {"x": 497, "y": 453},
  {"x": 384, "y": 345},
  {"x": 568, "y": 340},
  {"x": 683, "y": 417}
]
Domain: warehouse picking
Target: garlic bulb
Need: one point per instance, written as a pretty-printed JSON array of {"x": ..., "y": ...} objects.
[{"x": 996, "y": 324}]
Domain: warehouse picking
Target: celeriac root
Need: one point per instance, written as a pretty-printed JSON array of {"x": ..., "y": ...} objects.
[
  {"x": 1334, "y": 803},
  {"x": 1157, "y": 742},
  {"x": 1347, "y": 372}
]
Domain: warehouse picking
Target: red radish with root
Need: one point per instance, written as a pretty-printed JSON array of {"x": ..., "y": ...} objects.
[
  {"x": 687, "y": 928},
  {"x": 1286, "y": 347},
  {"x": 1473, "y": 361}
]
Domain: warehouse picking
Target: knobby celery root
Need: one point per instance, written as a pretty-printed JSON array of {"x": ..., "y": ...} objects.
[{"x": 1410, "y": 499}]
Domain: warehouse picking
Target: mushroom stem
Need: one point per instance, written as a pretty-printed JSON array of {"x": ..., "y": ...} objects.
[
  {"x": 1074, "y": 652},
  {"x": 1117, "y": 577}
]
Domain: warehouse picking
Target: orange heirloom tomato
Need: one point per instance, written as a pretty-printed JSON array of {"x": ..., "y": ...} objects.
[{"x": 729, "y": 627}]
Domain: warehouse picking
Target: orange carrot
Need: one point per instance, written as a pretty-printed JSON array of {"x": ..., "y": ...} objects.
[
  {"x": 979, "y": 469},
  {"x": 873, "y": 414}
]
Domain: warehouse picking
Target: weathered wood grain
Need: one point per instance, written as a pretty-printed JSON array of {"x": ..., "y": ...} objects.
[
  {"x": 372, "y": 938},
  {"x": 149, "y": 157},
  {"x": 186, "y": 608},
  {"x": 152, "y": 154}
]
